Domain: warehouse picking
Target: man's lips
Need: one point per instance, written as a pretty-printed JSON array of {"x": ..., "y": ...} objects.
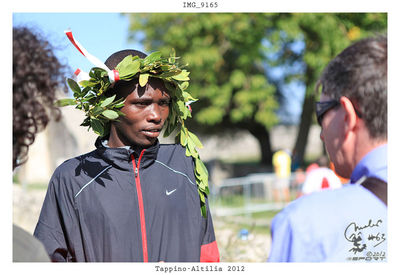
[{"x": 152, "y": 132}]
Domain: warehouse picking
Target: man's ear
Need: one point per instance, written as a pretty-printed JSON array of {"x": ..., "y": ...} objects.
[{"x": 350, "y": 116}]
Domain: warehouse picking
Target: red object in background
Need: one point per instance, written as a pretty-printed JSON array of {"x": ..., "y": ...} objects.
[
  {"x": 332, "y": 167},
  {"x": 325, "y": 183}
]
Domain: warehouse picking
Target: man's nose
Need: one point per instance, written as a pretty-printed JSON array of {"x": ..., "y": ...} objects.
[
  {"x": 321, "y": 136},
  {"x": 154, "y": 114}
]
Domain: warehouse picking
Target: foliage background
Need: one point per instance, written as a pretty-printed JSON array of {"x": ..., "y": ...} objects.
[{"x": 231, "y": 57}]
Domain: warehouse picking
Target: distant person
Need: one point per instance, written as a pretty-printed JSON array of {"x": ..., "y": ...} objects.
[
  {"x": 332, "y": 167},
  {"x": 349, "y": 223},
  {"x": 298, "y": 181},
  {"x": 132, "y": 199},
  {"x": 37, "y": 75},
  {"x": 320, "y": 177},
  {"x": 281, "y": 161}
]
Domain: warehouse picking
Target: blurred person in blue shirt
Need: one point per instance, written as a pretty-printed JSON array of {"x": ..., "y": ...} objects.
[{"x": 348, "y": 224}]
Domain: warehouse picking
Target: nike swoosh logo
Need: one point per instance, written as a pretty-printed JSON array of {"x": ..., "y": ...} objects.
[{"x": 170, "y": 192}]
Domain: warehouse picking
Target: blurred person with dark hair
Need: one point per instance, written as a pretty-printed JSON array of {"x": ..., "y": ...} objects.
[
  {"x": 37, "y": 75},
  {"x": 349, "y": 223}
]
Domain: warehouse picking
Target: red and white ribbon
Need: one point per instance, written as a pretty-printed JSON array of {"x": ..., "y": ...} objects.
[
  {"x": 187, "y": 104},
  {"x": 112, "y": 74},
  {"x": 80, "y": 75}
]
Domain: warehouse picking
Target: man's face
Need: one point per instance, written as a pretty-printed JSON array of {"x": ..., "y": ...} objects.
[
  {"x": 146, "y": 109},
  {"x": 333, "y": 136}
]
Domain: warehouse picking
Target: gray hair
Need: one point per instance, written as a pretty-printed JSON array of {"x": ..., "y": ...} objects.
[{"x": 360, "y": 73}]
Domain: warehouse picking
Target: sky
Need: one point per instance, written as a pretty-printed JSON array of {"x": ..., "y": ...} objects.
[{"x": 101, "y": 34}]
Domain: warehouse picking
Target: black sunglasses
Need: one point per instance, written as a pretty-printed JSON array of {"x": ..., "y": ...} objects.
[{"x": 321, "y": 107}]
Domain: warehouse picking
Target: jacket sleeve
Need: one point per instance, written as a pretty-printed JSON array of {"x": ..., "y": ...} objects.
[
  {"x": 51, "y": 227},
  {"x": 209, "y": 248}
]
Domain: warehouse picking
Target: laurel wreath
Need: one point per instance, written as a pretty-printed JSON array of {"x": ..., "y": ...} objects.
[{"x": 100, "y": 110}]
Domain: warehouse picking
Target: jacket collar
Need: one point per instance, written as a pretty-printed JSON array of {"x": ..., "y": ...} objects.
[
  {"x": 373, "y": 164},
  {"x": 121, "y": 157}
]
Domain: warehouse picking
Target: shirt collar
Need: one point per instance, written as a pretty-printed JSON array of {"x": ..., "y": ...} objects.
[
  {"x": 121, "y": 156},
  {"x": 105, "y": 144},
  {"x": 373, "y": 164}
]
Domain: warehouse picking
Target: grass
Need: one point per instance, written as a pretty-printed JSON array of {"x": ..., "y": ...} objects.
[
  {"x": 228, "y": 201},
  {"x": 34, "y": 186},
  {"x": 269, "y": 215}
]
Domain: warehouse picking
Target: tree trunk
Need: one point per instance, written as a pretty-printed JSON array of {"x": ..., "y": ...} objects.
[
  {"x": 303, "y": 131},
  {"x": 263, "y": 138}
]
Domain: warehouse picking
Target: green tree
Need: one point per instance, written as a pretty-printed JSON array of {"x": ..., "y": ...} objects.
[
  {"x": 229, "y": 54},
  {"x": 226, "y": 56}
]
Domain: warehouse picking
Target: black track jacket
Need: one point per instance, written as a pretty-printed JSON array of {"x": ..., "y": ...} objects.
[{"x": 115, "y": 204}]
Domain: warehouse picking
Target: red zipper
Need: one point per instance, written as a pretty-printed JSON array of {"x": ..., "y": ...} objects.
[{"x": 141, "y": 208}]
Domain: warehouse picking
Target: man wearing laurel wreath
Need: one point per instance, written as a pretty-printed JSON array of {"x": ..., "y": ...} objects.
[{"x": 132, "y": 199}]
